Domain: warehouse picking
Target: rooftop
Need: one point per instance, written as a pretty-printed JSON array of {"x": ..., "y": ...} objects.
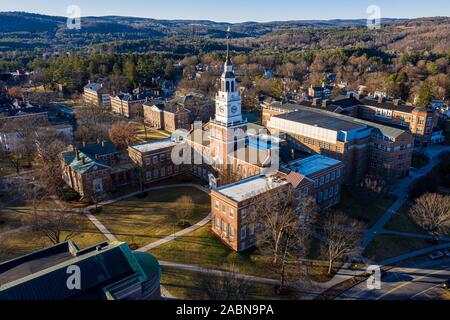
[
  {"x": 93, "y": 86},
  {"x": 156, "y": 145},
  {"x": 249, "y": 188},
  {"x": 321, "y": 119},
  {"x": 336, "y": 122},
  {"x": 42, "y": 275},
  {"x": 313, "y": 164}
]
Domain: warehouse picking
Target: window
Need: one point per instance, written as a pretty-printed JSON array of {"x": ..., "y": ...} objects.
[
  {"x": 224, "y": 209},
  {"x": 251, "y": 230},
  {"x": 216, "y": 204},
  {"x": 155, "y": 159},
  {"x": 155, "y": 174},
  {"x": 231, "y": 231},
  {"x": 162, "y": 157},
  {"x": 217, "y": 224},
  {"x": 306, "y": 191},
  {"x": 325, "y": 194},
  {"x": 328, "y": 178},
  {"x": 170, "y": 170},
  {"x": 163, "y": 172},
  {"x": 333, "y": 176},
  {"x": 231, "y": 213},
  {"x": 336, "y": 189},
  {"x": 331, "y": 192},
  {"x": 224, "y": 227},
  {"x": 322, "y": 181},
  {"x": 244, "y": 213},
  {"x": 338, "y": 173},
  {"x": 148, "y": 161},
  {"x": 243, "y": 232},
  {"x": 316, "y": 182},
  {"x": 148, "y": 175},
  {"x": 319, "y": 196}
]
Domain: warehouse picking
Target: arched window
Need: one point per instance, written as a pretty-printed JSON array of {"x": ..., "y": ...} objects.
[
  {"x": 232, "y": 86},
  {"x": 228, "y": 86}
]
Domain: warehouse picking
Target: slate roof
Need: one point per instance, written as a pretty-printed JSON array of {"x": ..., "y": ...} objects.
[
  {"x": 80, "y": 166},
  {"x": 387, "y": 105},
  {"x": 93, "y": 86},
  {"x": 99, "y": 149}
]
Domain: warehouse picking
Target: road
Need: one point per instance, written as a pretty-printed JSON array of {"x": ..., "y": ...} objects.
[{"x": 420, "y": 281}]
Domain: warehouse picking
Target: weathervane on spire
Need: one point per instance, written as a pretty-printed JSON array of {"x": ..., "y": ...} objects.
[{"x": 228, "y": 42}]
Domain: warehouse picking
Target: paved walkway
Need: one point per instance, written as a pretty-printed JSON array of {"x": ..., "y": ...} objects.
[
  {"x": 110, "y": 236},
  {"x": 176, "y": 235},
  {"x": 219, "y": 273},
  {"x": 401, "y": 190}
]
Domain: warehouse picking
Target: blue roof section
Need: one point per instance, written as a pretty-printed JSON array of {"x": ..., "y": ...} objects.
[{"x": 313, "y": 164}]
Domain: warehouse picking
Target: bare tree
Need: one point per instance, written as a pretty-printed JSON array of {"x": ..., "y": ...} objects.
[
  {"x": 185, "y": 206},
  {"x": 50, "y": 144},
  {"x": 343, "y": 237},
  {"x": 93, "y": 123},
  {"x": 226, "y": 286},
  {"x": 123, "y": 134},
  {"x": 47, "y": 216},
  {"x": 56, "y": 224},
  {"x": 283, "y": 229},
  {"x": 432, "y": 212}
]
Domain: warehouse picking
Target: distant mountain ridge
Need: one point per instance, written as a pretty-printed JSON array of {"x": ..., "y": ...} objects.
[{"x": 30, "y": 22}]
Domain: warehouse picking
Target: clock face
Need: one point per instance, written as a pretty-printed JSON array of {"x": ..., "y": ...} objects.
[{"x": 234, "y": 110}]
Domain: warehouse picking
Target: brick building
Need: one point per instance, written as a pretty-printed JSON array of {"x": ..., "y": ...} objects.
[
  {"x": 169, "y": 117},
  {"x": 363, "y": 146},
  {"x": 94, "y": 94},
  {"x": 97, "y": 169},
  {"x": 232, "y": 205},
  {"x": 128, "y": 105},
  {"x": 154, "y": 160}
]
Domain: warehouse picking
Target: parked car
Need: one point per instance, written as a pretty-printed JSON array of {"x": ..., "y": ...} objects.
[
  {"x": 437, "y": 255},
  {"x": 446, "y": 285}
]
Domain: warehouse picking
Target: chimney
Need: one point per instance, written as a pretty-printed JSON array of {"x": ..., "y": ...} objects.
[
  {"x": 77, "y": 153},
  {"x": 89, "y": 82},
  {"x": 83, "y": 159},
  {"x": 381, "y": 99},
  {"x": 316, "y": 102},
  {"x": 326, "y": 103}
]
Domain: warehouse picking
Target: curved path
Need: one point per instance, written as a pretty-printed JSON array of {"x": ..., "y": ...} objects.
[{"x": 110, "y": 236}]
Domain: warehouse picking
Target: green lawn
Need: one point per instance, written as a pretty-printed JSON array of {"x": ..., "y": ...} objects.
[
  {"x": 186, "y": 285},
  {"x": 403, "y": 222},
  {"x": 388, "y": 246},
  {"x": 367, "y": 207},
  {"x": 142, "y": 221},
  {"x": 26, "y": 241},
  {"x": 202, "y": 248}
]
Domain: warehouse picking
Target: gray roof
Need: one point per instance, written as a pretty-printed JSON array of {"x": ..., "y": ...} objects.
[
  {"x": 336, "y": 121},
  {"x": 93, "y": 86}
]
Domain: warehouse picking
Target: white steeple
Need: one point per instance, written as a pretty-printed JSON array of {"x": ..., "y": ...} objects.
[{"x": 228, "y": 100}]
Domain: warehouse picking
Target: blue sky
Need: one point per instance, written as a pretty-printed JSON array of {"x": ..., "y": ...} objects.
[{"x": 236, "y": 10}]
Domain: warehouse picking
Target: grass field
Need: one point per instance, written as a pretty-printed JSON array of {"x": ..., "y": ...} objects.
[
  {"x": 26, "y": 241},
  {"x": 186, "y": 285},
  {"x": 367, "y": 208},
  {"x": 142, "y": 221},
  {"x": 388, "y": 246},
  {"x": 403, "y": 222}
]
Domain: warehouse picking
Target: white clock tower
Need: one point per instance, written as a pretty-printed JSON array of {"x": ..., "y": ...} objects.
[{"x": 227, "y": 130}]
